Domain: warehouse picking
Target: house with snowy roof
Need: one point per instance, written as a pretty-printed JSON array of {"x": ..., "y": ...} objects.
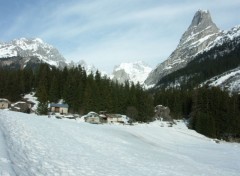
[
  {"x": 93, "y": 117},
  {"x": 116, "y": 118},
  {"x": 59, "y": 108},
  {"x": 4, "y": 103}
]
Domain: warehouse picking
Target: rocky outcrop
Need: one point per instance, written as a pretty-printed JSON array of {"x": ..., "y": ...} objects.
[
  {"x": 198, "y": 36},
  {"x": 162, "y": 113},
  {"x": 21, "y": 107}
]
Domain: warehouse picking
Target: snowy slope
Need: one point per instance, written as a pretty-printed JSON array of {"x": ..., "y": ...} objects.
[
  {"x": 226, "y": 37},
  {"x": 229, "y": 80},
  {"x": 133, "y": 72},
  {"x": 34, "y": 145}
]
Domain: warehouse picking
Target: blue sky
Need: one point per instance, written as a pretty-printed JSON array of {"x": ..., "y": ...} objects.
[{"x": 106, "y": 33}]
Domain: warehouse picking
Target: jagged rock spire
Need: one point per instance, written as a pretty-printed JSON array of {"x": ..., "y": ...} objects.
[
  {"x": 197, "y": 37},
  {"x": 201, "y": 16},
  {"x": 202, "y": 25}
]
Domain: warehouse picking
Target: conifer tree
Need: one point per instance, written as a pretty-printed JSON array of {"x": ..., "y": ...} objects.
[{"x": 54, "y": 92}]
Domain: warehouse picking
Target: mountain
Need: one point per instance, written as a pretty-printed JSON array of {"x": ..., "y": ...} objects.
[
  {"x": 198, "y": 36},
  {"x": 23, "y": 52},
  {"x": 133, "y": 72},
  {"x": 221, "y": 57}
]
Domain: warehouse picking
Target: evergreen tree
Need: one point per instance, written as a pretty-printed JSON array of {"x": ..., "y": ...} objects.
[
  {"x": 42, "y": 108},
  {"x": 54, "y": 92}
]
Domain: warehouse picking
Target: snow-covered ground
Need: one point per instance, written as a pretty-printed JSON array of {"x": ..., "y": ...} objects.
[
  {"x": 31, "y": 97},
  {"x": 37, "y": 145}
]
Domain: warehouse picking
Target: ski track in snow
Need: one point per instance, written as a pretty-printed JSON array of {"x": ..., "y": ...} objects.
[{"x": 34, "y": 145}]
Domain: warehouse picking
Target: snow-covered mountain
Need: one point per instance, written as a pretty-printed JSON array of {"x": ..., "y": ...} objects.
[
  {"x": 229, "y": 81},
  {"x": 23, "y": 52},
  {"x": 28, "y": 50},
  {"x": 219, "y": 58},
  {"x": 199, "y": 35},
  {"x": 133, "y": 72}
]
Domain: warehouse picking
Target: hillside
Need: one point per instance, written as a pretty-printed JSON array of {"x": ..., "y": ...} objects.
[
  {"x": 36, "y": 145},
  {"x": 229, "y": 81}
]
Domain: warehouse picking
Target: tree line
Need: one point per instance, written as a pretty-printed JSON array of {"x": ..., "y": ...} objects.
[
  {"x": 209, "y": 111},
  {"x": 81, "y": 91}
]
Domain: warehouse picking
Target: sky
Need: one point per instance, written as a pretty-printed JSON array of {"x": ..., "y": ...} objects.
[{"x": 106, "y": 33}]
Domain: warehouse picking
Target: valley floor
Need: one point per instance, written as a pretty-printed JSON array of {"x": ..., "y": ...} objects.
[{"x": 36, "y": 145}]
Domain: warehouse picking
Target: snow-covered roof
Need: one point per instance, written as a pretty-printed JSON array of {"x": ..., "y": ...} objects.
[
  {"x": 19, "y": 102},
  {"x": 4, "y": 100},
  {"x": 59, "y": 105}
]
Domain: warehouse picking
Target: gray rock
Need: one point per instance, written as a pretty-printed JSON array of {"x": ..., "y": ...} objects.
[
  {"x": 162, "y": 112},
  {"x": 21, "y": 107}
]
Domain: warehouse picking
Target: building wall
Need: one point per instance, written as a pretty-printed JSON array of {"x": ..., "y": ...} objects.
[
  {"x": 52, "y": 109},
  {"x": 3, "y": 105},
  {"x": 61, "y": 110},
  {"x": 93, "y": 120},
  {"x": 114, "y": 119}
]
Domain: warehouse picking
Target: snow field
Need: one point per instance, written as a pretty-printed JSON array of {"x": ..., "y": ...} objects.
[{"x": 37, "y": 145}]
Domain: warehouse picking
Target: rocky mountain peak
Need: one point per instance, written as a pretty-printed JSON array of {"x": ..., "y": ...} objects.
[
  {"x": 202, "y": 25},
  {"x": 201, "y": 16},
  {"x": 201, "y": 32}
]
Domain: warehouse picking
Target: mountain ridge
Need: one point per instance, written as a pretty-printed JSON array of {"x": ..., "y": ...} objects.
[
  {"x": 29, "y": 48},
  {"x": 29, "y": 52}
]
